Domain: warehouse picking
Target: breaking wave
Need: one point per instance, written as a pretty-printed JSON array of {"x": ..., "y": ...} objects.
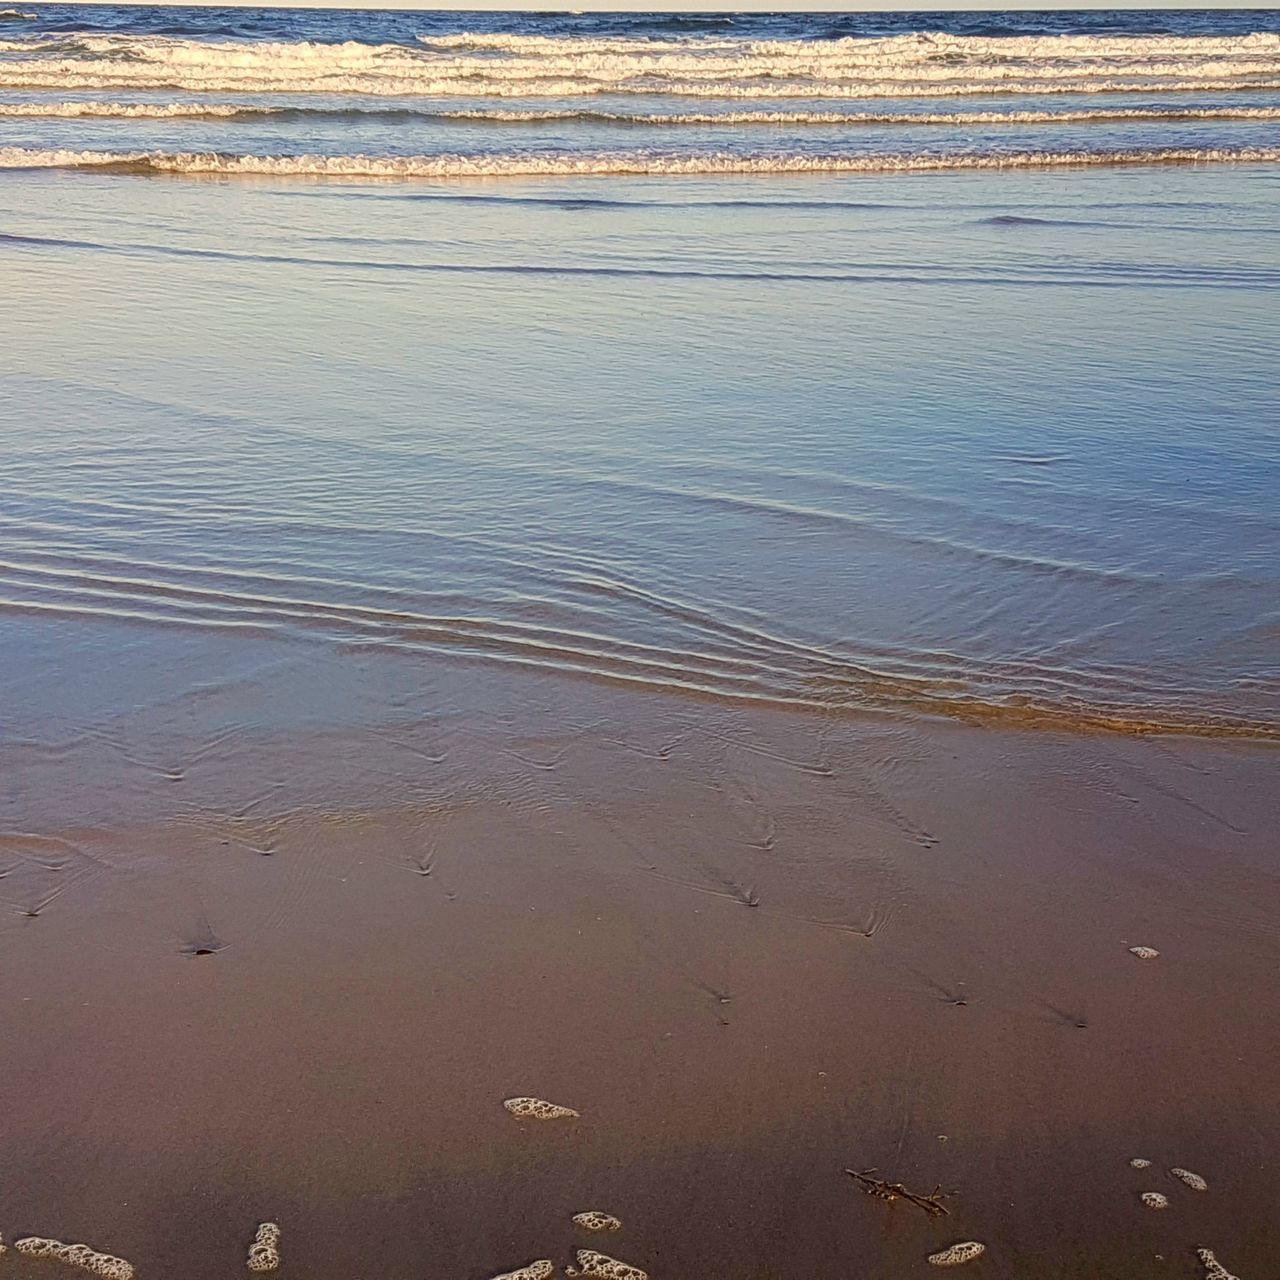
[
  {"x": 251, "y": 111},
  {"x": 909, "y": 46},
  {"x": 132, "y": 110},
  {"x": 917, "y": 65},
  {"x": 1166, "y": 115},
  {"x": 608, "y": 163}
]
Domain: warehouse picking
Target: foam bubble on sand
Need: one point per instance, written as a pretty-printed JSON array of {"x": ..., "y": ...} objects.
[
  {"x": 965, "y": 1251},
  {"x": 264, "y": 1252},
  {"x": 1213, "y": 1269},
  {"x": 536, "y": 1109},
  {"x": 76, "y": 1255},
  {"x": 594, "y": 1220},
  {"x": 539, "y": 1270},
  {"x": 1139, "y": 1163},
  {"x": 1154, "y": 1200},
  {"x": 1144, "y": 953},
  {"x": 592, "y": 1263},
  {"x": 1193, "y": 1180}
]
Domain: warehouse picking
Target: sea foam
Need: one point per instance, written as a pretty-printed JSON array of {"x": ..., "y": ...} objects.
[
  {"x": 456, "y": 165},
  {"x": 924, "y": 64},
  {"x": 592, "y": 1263},
  {"x": 89, "y": 108},
  {"x": 595, "y": 1220},
  {"x": 76, "y": 1255},
  {"x": 537, "y": 1109},
  {"x": 264, "y": 1252}
]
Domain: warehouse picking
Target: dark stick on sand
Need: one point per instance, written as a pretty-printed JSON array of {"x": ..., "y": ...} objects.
[{"x": 931, "y": 1204}]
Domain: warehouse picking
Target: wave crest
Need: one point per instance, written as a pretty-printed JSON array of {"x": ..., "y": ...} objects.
[
  {"x": 232, "y": 110},
  {"x": 460, "y": 165},
  {"x": 921, "y": 64}
]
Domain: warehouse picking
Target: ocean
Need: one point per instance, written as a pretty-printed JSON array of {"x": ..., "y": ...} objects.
[
  {"x": 450, "y": 94},
  {"x": 719, "y": 571}
]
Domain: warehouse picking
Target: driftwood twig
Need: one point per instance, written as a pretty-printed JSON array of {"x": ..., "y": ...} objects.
[{"x": 882, "y": 1190}]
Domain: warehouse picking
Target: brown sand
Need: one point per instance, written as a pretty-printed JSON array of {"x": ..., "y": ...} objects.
[{"x": 752, "y": 949}]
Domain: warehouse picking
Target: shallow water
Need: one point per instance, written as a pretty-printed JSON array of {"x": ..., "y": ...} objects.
[{"x": 1002, "y": 445}]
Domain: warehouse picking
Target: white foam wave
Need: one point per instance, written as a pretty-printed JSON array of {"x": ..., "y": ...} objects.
[
  {"x": 76, "y": 77},
  {"x": 1164, "y": 114},
  {"x": 131, "y": 110},
  {"x": 610, "y": 163},
  {"x": 504, "y": 66},
  {"x": 88, "y": 108},
  {"x": 917, "y": 45}
]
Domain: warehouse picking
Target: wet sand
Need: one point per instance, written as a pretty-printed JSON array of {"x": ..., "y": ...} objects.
[{"x": 753, "y": 949}]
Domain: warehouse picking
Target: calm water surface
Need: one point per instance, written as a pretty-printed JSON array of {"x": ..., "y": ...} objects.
[
  {"x": 593, "y": 382},
  {"x": 998, "y": 444}
]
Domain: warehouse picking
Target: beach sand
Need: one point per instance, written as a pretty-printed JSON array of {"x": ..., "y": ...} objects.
[{"x": 752, "y": 948}]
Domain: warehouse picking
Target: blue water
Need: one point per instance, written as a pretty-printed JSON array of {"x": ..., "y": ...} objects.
[
  {"x": 404, "y": 26},
  {"x": 458, "y": 94}
]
